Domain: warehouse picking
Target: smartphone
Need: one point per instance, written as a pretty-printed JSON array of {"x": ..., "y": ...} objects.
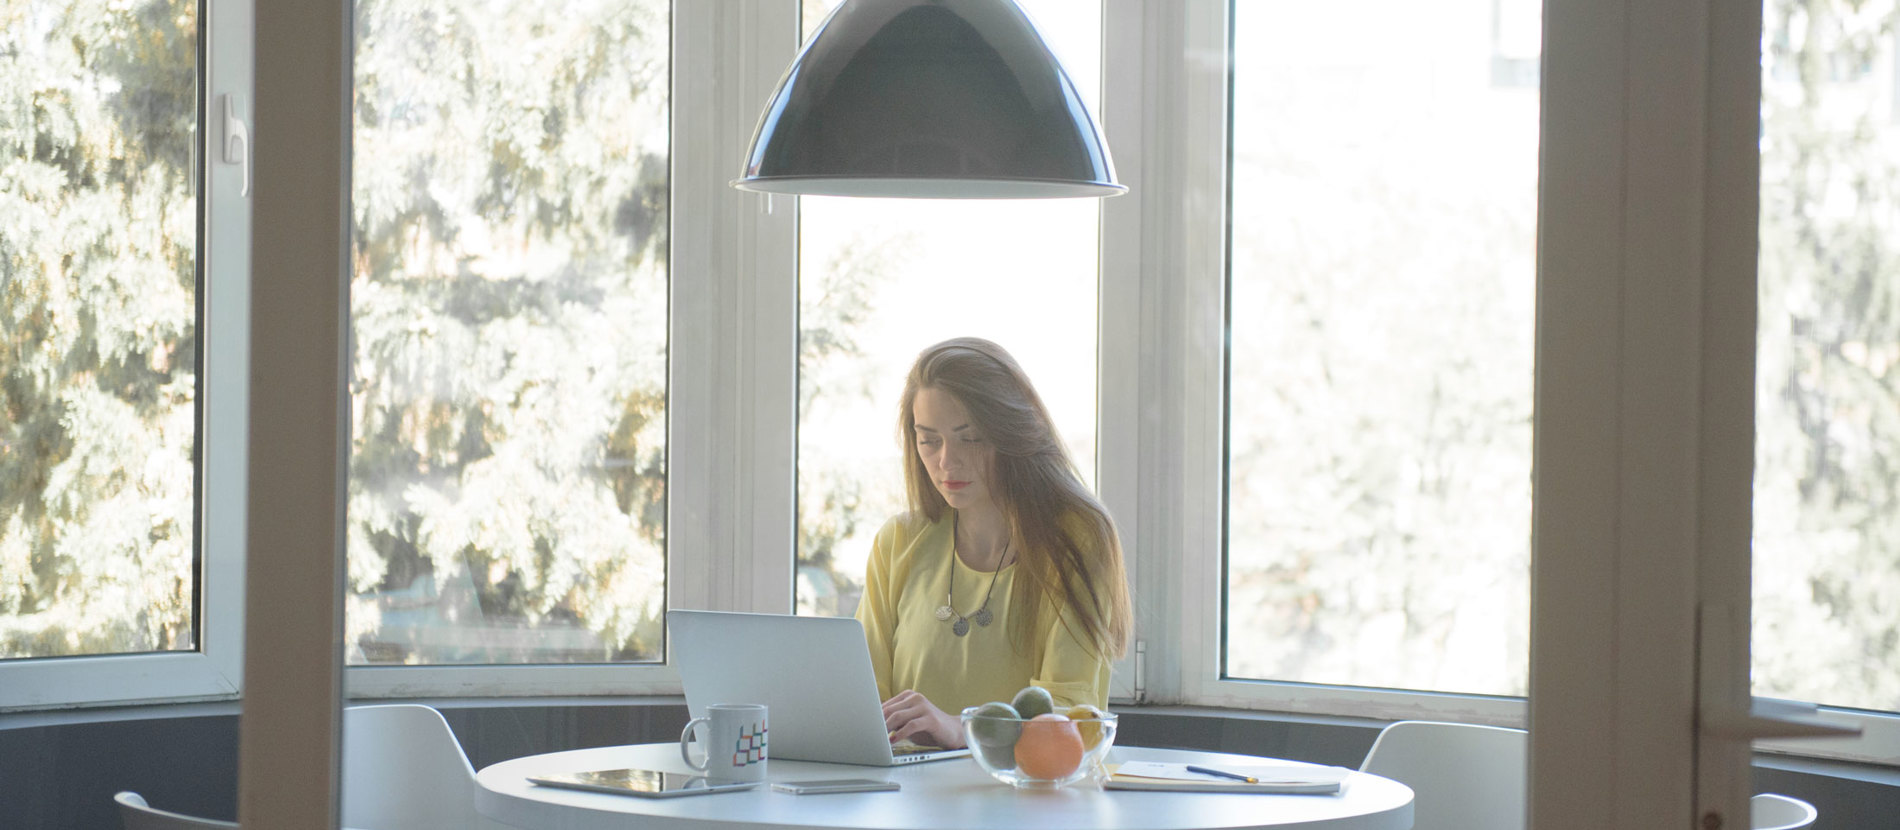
[
  {"x": 833, "y": 785},
  {"x": 645, "y": 783}
]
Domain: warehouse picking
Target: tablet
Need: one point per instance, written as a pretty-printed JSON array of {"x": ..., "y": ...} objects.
[{"x": 645, "y": 783}]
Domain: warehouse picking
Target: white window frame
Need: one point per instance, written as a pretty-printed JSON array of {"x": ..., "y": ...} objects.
[
  {"x": 1171, "y": 230},
  {"x": 732, "y": 354},
  {"x": 214, "y": 669},
  {"x": 1119, "y": 459},
  {"x": 1187, "y": 228},
  {"x": 1161, "y": 242},
  {"x": 731, "y": 407}
]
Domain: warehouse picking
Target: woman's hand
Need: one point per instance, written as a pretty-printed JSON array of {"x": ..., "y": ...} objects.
[{"x": 911, "y": 715}]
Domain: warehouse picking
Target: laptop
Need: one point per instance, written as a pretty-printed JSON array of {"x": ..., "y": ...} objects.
[{"x": 812, "y": 673}]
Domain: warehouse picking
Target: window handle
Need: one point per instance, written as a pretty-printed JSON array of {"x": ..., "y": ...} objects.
[
  {"x": 1774, "y": 718},
  {"x": 237, "y": 138},
  {"x": 1757, "y": 717}
]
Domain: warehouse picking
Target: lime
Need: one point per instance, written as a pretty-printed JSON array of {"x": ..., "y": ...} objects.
[
  {"x": 1033, "y": 701},
  {"x": 996, "y": 724},
  {"x": 999, "y": 757},
  {"x": 1088, "y": 722}
]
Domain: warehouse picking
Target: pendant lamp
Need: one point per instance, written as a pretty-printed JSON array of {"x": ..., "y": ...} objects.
[{"x": 941, "y": 99}]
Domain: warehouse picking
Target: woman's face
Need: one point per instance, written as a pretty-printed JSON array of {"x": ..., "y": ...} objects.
[{"x": 956, "y": 456}]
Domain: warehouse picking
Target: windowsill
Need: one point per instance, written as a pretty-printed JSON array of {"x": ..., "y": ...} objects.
[
  {"x": 501, "y": 702},
  {"x": 1250, "y": 715},
  {"x": 1844, "y": 770},
  {"x": 222, "y": 708},
  {"x": 113, "y": 714}
]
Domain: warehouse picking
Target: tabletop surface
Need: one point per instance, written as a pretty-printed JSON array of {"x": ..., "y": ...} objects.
[{"x": 953, "y": 793}]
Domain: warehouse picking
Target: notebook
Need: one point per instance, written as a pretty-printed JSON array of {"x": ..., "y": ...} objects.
[
  {"x": 1269, "y": 778},
  {"x": 812, "y": 673}
]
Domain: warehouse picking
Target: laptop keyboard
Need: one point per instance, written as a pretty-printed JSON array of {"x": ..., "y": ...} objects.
[{"x": 909, "y": 747}]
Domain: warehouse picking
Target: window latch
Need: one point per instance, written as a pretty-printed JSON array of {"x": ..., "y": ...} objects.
[{"x": 237, "y": 138}]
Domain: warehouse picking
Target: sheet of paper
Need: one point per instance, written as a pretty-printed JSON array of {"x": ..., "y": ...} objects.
[{"x": 1267, "y": 773}]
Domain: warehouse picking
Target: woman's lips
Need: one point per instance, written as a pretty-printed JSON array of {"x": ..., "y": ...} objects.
[{"x": 955, "y": 485}]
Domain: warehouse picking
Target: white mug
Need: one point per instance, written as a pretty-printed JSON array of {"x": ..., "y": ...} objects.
[{"x": 734, "y": 743}]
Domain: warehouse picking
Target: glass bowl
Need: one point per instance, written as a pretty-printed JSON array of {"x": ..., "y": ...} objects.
[{"x": 1036, "y": 754}]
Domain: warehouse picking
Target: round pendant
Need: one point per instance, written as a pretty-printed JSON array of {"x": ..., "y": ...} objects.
[
  {"x": 944, "y": 613},
  {"x": 982, "y": 616},
  {"x": 960, "y": 627}
]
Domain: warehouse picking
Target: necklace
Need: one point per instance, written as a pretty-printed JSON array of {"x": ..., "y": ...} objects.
[{"x": 981, "y": 616}]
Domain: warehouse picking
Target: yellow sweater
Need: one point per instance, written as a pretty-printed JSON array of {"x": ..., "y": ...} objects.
[{"x": 912, "y": 563}]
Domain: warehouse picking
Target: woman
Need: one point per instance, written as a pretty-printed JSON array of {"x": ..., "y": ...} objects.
[{"x": 1006, "y": 572}]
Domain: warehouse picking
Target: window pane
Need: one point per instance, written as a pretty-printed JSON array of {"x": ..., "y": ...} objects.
[
  {"x": 1384, "y": 189},
  {"x": 880, "y": 279},
  {"x": 1827, "y": 446},
  {"x": 98, "y": 326},
  {"x": 509, "y": 308}
]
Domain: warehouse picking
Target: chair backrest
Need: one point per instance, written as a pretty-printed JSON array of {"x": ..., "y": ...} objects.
[
  {"x": 138, "y": 815},
  {"x": 404, "y": 770},
  {"x": 1773, "y": 811},
  {"x": 1463, "y": 777}
]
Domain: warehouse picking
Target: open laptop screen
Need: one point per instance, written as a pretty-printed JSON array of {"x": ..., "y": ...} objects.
[{"x": 812, "y": 673}]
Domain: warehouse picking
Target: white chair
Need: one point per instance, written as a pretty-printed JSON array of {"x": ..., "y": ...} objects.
[
  {"x": 138, "y": 815},
  {"x": 1772, "y": 811},
  {"x": 1463, "y": 777},
  {"x": 404, "y": 770}
]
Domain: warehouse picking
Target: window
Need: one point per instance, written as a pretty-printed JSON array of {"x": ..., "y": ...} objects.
[
  {"x": 1381, "y": 287},
  {"x": 519, "y": 443},
  {"x": 881, "y": 279},
  {"x": 122, "y": 397},
  {"x": 507, "y": 493},
  {"x": 1827, "y": 455},
  {"x": 99, "y": 328}
]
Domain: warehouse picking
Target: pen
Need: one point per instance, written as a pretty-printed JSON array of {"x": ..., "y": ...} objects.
[{"x": 1222, "y": 774}]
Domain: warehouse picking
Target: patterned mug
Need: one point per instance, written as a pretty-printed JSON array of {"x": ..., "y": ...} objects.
[{"x": 733, "y": 743}]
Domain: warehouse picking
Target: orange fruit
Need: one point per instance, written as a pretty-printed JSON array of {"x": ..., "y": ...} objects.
[{"x": 1050, "y": 747}]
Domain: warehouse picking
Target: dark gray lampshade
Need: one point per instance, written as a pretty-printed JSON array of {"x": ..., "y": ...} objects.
[{"x": 948, "y": 99}]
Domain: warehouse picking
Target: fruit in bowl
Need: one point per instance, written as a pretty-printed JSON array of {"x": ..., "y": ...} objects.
[{"x": 1044, "y": 751}]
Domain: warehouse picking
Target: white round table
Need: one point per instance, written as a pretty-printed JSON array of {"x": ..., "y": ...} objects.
[{"x": 936, "y": 795}]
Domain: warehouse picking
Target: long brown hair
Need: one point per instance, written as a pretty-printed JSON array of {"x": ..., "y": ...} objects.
[{"x": 1067, "y": 547}]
